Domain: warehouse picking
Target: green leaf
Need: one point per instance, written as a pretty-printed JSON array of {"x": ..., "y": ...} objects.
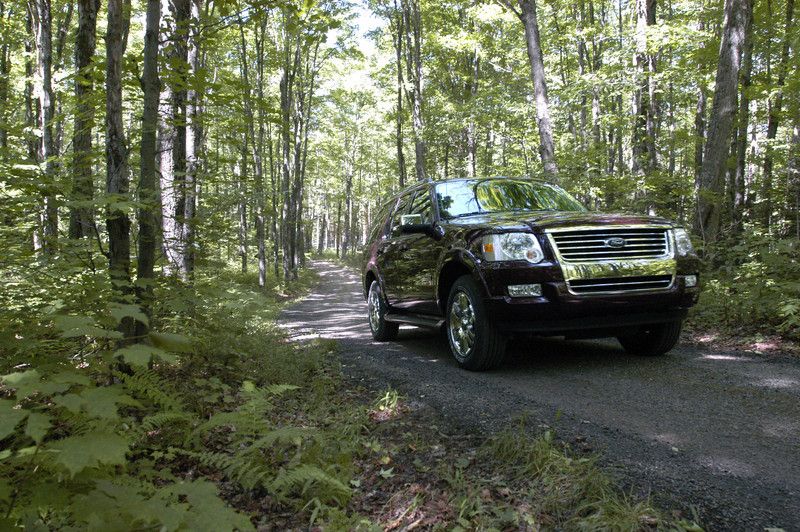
[
  {"x": 91, "y": 450},
  {"x": 10, "y": 417},
  {"x": 121, "y": 311},
  {"x": 100, "y": 402},
  {"x": 209, "y": 511},
  {"x": 29, "y": 382},
  {"x": 37, "y": 427},
  {"x": 78, "y": 326},
  {"x": 176, "y": 343},
  {"x": 141, "y": 354}
]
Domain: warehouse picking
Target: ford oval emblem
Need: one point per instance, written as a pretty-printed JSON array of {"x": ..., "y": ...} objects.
[{"x": 615, "y": 242}]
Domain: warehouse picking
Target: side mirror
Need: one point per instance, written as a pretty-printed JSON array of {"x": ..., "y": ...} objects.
[{"x": 434, "y": 231}]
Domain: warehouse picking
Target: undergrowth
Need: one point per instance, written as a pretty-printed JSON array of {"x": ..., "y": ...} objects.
[{"x": 217, "y": 422}]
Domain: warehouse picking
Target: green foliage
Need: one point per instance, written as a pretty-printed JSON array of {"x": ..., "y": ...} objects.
[
  {"x": 90, "y": 447},
  {"x": 756, "y": 290}
]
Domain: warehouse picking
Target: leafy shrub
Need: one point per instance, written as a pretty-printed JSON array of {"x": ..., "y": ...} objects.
[{"x": 756, "y": 288}]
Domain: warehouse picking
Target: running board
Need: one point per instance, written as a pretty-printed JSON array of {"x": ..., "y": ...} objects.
[{"x": 414, "y": 319}]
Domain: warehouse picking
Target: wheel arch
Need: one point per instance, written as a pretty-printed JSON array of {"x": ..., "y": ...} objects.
[
  {"x": 454, "y": 266},
  {"x": 368, "y": 278}
]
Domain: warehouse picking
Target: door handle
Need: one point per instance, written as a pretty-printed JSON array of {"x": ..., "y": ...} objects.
[{"x": 403, "y": 247}]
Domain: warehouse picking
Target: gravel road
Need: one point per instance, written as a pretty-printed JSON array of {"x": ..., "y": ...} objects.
[{"x": 717, "y": 431}]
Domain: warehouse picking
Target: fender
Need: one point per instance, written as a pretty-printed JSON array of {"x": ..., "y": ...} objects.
[{"x": 465, "y": 258}]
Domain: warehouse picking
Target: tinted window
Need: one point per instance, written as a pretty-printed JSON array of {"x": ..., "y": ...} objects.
[
  {"x": 422, "y": 205},
  {"x": 402, "y": 208},
  {"x": 381, "y": 221},
  {"x": 462, "y": 198}
]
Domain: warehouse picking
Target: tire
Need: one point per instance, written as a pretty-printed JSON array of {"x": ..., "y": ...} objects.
[
  {"x": 382, "y": 330},
  {"x": 485, "y": 347},
  {"x": 652, "y": 340}
]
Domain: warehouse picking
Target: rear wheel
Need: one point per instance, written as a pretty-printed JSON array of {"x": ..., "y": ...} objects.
[
  {"x": 474, "y": 341},
  {"x": 652, "y": 340},
  {"x": 382, "y": 330}
]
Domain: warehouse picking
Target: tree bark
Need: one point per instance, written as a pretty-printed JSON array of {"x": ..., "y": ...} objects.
[
  {"x": 397, "y": 39},
  {"x": 412, "y": 24},
  {"x": 737, "y": 15},
  {"x": 81, "y": 216},
  {"x": 5, "y": 72},
  {"x": 737, "y": 186},
  {"x": 148, "y": 183},
  {"x": 527, "y": 14},
  {"x": 172, "y": 134},
  {"x": 644, "y": 131},
  {"x": 775, "y": 109},
  {"x": 43, "y": 29},
  {"x": 194, "y": 138},
  {"x": 117, "y": 220}
]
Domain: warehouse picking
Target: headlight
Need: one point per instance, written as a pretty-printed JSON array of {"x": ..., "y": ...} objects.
[
  {"x": 683, "y": 244},
  {"x": 512, "y": 246}
]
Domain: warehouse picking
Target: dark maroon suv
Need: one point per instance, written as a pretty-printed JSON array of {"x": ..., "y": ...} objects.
[{"x": 488, "y": 258}]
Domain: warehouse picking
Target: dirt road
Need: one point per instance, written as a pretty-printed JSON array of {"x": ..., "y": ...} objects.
[{"x": 715, "y": 430}]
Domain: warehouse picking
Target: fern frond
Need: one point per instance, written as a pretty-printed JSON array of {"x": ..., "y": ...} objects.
[
  {"x": 149, "y": 385},
  {"x": 304, "y": 476}
]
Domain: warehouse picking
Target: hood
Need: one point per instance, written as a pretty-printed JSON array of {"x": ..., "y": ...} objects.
[{"x": 537, "y": 220}]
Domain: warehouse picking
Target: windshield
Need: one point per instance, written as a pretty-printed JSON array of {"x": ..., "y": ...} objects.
[{"x": 477, "y": 196}]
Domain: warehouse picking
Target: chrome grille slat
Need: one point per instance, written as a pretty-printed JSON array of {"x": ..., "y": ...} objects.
[
  {"x": 591, "y": 245},
  {"x": 621, "y": 285}
]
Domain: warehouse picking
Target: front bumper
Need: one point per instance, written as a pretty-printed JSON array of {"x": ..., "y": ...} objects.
[{"x": 560, "y": 311}]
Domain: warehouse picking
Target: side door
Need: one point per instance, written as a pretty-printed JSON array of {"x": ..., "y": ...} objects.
[
  {"x": 388, "y": 252},
  {"x": 420, "y": 257}
]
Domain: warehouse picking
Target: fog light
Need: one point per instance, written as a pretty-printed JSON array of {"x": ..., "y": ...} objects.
[
  {"x": 525, "y": 290},
  {"x": 690, "y": 281}
]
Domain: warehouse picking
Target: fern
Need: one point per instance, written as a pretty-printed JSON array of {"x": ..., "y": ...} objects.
[
  {"x": 304, "y": 477},
  {"x": 148, "y": 384}
]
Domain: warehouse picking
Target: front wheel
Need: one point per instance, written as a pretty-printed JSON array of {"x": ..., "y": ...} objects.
[
  {"x": 382, "y": 330},
  {"x": 475, "y": 342},
  {"x": 652, "y": 340}
]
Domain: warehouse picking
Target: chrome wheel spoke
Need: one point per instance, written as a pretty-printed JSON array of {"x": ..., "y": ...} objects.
[{"x": 461, "y": 325}]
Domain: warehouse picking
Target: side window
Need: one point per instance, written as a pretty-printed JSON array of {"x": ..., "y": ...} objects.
[
  {"x": 381, "y": 221},
  {"x": 421, "y": 207},
  {"x": 402, "y": 208}
]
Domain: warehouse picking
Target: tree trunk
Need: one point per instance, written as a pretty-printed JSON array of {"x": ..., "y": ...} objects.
[
  {"x": 148, "y": 184},
  {"x": 397, "y": 39},
  {"x": 793, "y": 213},
  {"x": 644, "y": 130},
  {"x": 194, "y": 138},
  {"x": 527, "y": 14},
  {"x": 242, "y": 206},
  {"x": 5, "y": 72},
  {"x": 775, "y": 108},
  {"x": 737, "y": 16},
  {"x": 737, "y": 185},
  {"x": 81, "y": 216},
  {"x": 117, "y": 221},
  {"x": 412, "y": 25},
  {"x": 43, "y": 29},
  {"x": 172, "y": 133}
]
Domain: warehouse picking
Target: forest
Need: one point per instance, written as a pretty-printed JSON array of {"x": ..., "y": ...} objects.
[{"x": 168, "y": 169}]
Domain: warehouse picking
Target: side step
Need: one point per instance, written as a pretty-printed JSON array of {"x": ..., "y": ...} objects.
[{"x": 415, "y": 319}]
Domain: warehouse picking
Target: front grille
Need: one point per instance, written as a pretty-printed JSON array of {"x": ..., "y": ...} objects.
[
  {"x": 594, "y": 245},
  {"x": 620, "y": 284}
]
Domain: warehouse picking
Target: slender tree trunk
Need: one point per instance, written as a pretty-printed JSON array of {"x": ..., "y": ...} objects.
[
  {"x": 81, "y": 216},
  {"x": 793, "y": 201},
  {"x": 775, "y": 109},
  {"x": 43, "y": 28},
  {"x": 117, "y": 179},
  {"x": 412, "y": 24},
  {"x": 737, "y": 15},
  {"x": 737, "y": 186},
  {"x": 172, "y": 133},
  {"x": 527, "y": 14},
  {"x": 397, "y": 39},
  {"x": 472, "y": 140},
  {"x": 644, "y": 130},
  {"x": 148, "y": 183},
  {"x": 5, "y": 73},
  {"x": 242, "y": 206},
  {"x": 194, "y": 138}
]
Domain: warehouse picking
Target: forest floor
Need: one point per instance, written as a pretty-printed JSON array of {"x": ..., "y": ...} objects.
[{"x": 709, "y": 433}]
